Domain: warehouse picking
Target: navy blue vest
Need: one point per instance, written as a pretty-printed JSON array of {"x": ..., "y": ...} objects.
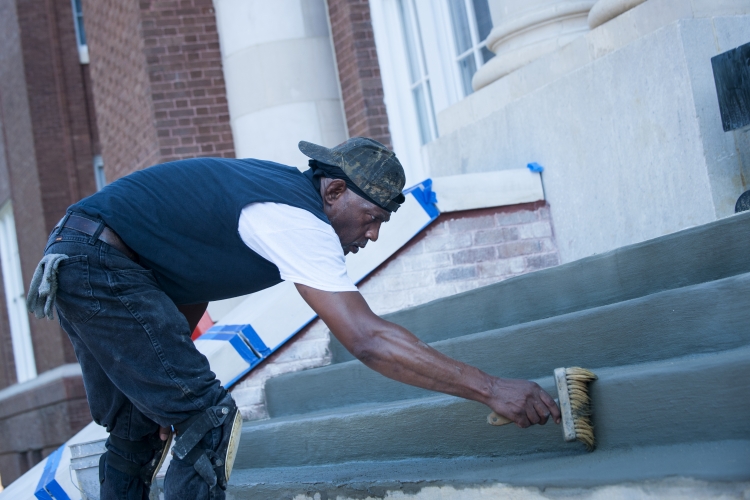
[{"x": 181, "y": 218}]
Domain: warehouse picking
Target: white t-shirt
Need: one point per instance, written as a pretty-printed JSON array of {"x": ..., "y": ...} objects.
[{"x": 304, "y": 248}]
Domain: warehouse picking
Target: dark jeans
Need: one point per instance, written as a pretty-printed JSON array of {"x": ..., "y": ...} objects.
[{"x": 140, "y": 368}]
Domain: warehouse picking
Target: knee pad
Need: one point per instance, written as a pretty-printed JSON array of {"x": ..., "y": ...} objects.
[
  {"x": 146, "y": 472},
  {"x": 214, "y": 466}
]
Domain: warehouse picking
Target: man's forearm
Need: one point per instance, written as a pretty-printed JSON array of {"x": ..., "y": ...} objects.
[{"x": 398, "y": 354}]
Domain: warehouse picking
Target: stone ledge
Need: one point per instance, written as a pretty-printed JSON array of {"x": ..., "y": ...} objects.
[
  {"x": 618, "y": 32},
  {"x": 59, "y": 384}
]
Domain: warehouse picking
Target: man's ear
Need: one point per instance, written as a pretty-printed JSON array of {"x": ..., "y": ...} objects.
[{"x": 333, "y": 189}]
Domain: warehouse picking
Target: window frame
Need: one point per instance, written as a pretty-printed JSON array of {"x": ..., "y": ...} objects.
[
  {"x": 83, "y": 47},
  {"x": 15, "y": 298}
]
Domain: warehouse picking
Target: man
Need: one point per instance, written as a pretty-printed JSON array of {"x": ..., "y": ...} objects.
[{"x": 139, "y": 261}]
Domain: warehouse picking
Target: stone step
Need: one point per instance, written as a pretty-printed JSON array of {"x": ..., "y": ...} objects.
[
  {"x": 704, "y": 253},
  {"x": 702, "y": 318},
  {"x": 693, "y": 399},
  {"x": 713, "y": 461}
]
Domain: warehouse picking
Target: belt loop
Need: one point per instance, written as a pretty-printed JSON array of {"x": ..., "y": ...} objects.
[
  {"x": 97, "y": 233},
  {"x": 62, "y": 223}
]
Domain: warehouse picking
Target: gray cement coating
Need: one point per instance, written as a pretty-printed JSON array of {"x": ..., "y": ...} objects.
[
  {"x": 690, "y": 399},
  {"x": 696, "y": 255},
  {"x": 714, "y": 461},
  {"x": 703, "y": 318}
]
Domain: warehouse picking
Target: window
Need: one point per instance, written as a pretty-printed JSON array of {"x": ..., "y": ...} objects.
[
  {"x": 418, "y": 75},
  {"x": 83, "y": 48},
  {"x": 101, "y": 179},
  {"x": 15, "y": 299},
  {"x": 428, "y": 51},
  {"x": 471, "y": 23}
]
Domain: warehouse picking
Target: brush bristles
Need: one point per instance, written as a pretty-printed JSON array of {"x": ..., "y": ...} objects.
[{"x": 580, "y": 404}]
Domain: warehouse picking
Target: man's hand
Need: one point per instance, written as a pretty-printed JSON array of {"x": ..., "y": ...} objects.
[
  {"x": 524, "y": 402},
  {"x": 396, "y": 353}
]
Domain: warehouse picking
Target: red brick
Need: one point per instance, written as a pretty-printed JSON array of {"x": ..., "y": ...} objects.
[
  {"x": 150, "y": 57},
  {"x": 356, "y": 57}
]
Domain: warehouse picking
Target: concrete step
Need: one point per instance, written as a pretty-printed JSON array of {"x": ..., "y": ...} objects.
[
  {"x": 696, "y": 255},
  {"x": 714, "y": 461},
  {"x": 697, "y": 398},
  {"x": 711, "y": 316}
]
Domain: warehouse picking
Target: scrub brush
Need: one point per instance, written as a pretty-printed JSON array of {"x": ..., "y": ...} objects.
[{"x": 575, "y": 405}]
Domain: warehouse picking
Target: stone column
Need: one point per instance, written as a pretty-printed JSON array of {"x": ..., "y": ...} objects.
[
  {"x": 527, "y": 30},
  {"x": 281, "y": 79},
  {"x": 604, "y": 10}
]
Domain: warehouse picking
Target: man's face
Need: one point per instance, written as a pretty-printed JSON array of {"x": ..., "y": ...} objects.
[{"x": 354, "y": 219}]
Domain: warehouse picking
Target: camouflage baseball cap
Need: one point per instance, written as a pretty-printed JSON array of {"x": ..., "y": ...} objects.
[{"x": 369, "y": 165}]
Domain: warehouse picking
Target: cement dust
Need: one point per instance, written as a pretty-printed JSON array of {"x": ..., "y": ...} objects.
[{"x": 670, "y": 489}]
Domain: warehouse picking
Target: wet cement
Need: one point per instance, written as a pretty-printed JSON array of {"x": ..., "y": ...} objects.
[
  {"x": 717, "y": 462},
  {"x": 703, "y": 318},
  {"x": 696, "y": 255},
  {"x": 690, "y": 399}
]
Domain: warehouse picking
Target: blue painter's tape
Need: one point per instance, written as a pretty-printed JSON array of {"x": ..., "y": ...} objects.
[
  {"x": 244, "y": 350},
  {"x": 229, "y": 332},
  {"x": 426, "y": 197},
  {"x": 57, "y": 491},
  {"x": 535, "y": 167},
  {"x": 255, "y": 341},
  {"x": 48, "y": 486},
  {"x": 42, "y": 494},
  {"x": 215, "y": 336}
]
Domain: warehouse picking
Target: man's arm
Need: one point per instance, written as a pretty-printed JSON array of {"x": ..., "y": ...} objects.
[{"x": 396, "y": 353}]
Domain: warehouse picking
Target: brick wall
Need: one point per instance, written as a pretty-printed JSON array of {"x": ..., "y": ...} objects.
[
  {"x": 120, "y": 86},
  {"x": 458, "y": 252},
  {"x": 158, "y": 82},
  {"x": 48, "y": 143},
  {"x": 46, "y": 137},
  {"x": 187, "y": 81},
  {"x": 359, "y": 70}
]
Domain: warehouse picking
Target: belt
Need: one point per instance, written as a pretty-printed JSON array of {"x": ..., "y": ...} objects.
[{"x": 91, "y": 227}]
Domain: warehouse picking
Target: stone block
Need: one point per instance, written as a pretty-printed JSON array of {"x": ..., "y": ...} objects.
[
  {"x": 495, "y": 268},
  {"x": 540, "y": 229},
  {"x": 470, "y": 223},
  {"x": 473, "y": 255},
  {"x": 542, "y": 261},
  {"x": 425, "y": 261},
  {"x": 710, "y": 8},
  {"x": 499, "y": 235},
  {"x": 517, "y": 217},
  {"x": 440, "y": 290},
  {"x": 517, "y": 248},
  {"x": 455, "y": 274},
  {"x": 405, "y": 281},
  {"x": 383, "y": 303},
  {"x": 445, "y": 242}
]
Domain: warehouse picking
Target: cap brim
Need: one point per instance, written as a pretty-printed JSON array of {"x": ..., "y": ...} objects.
[{"x": 319, "y": 153}]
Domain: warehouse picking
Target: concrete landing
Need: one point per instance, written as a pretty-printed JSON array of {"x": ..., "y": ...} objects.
[{"x": 720, "y": 463}]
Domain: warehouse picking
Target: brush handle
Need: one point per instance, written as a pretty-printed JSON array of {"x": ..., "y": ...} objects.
[{"x": 495, "y": 419}]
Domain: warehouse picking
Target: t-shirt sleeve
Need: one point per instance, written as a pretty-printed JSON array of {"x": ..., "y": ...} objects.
[{"x": 304, "y": 248}]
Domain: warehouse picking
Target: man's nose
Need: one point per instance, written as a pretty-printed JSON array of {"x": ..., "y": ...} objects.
[{"x": 373, "y": 233}]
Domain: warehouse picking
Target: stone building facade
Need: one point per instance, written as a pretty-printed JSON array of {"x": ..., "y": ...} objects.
[{"x": 613, "y": 97}]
